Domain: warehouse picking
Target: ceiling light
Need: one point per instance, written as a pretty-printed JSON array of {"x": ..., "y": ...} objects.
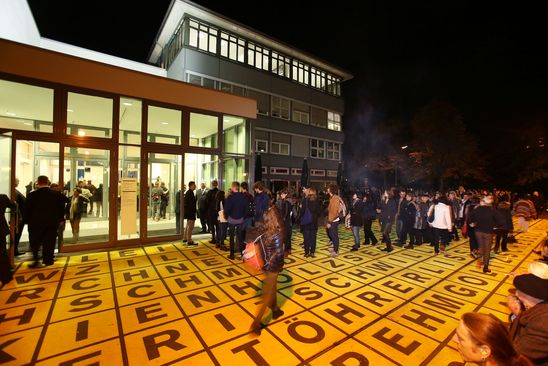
[
  {"x": 129, "y": 104},
  {"x": 87, "y": 152},
  {"x": 10, "y": 114},
  {"x": 81, "y": 133},
  {"x": 27, "y": 123},
  {"x": 165, "y": 123},
  {"x": 70, "y": 110}
]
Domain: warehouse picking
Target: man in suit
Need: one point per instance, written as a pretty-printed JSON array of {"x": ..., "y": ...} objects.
[
  {"x": 44, "y": 210},
  {"x": 189, "y": 213},
  {"x": 202, "y": 208}
]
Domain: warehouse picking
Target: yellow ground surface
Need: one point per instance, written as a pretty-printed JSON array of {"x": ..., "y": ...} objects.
[{"x": 170, "y": 304}]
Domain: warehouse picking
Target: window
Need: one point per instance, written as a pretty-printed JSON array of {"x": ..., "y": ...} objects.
[
  {"x": 279, "y": 148},
  {"x": 318, "y": 117},
  {"x": 280, "y": 64},
  {"x": 317, "y": 172},
  {"x": 333, "y": 121},
  {"x": 317, "y": 149},
  {"x": 296, "y": 171},
  {"x": 279, "y": 171},
  {"x": 301, "y": 113},
  {"x": 257, "y": 56},
  {"x": 17, "y": 113},
  {"x": 236, "y": 138},
  {"x": 317, "y": 78},
  {"x": 164, "y": 125},
  {"x": 263, "y": 101},
  {"x": 333, "y": 151},
  {"x": 89, "y": 115},
  {"x": 203, "y": 130},
  {"x": 280, "y": 107},
  {"x": 194, "y": 79},
  {"x": 130, "y": 121},
  {"x": 301, "y": 72},
  {"x": 261, "y": 145},
  {"x": 202, "y": 37},
  {"x": 333, "y": 85},
  {"x": 232, "y": 47}
]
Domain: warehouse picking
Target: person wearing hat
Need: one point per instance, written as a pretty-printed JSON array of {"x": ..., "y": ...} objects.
[{"x": 529, "y": 318}]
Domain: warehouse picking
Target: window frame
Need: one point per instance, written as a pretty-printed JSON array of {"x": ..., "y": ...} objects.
[
  {"x": 318, "y": 148},
  {"x": 277, "y": 103},
  {"x": 257, "y": 147},
  {"x": 280, "y": 144},
  {"x": 334, "y": 149}
]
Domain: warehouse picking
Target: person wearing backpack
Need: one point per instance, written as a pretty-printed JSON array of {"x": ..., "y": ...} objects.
[
  {"x": 310, "y": 211},
  {"x": 335, "y": 210}
]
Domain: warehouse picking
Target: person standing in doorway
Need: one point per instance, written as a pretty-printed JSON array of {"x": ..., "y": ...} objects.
[
  {"x": 212, "y": 211},
  {"x": 98, "y": 199},
  {"x": 189, "y": 213},
  {"x": 202, "y": 208},
  {"x": 76, "y": 209},
  {"x": 5, "y": 266},
  {"x": 43, "y": 212},
  {"x": 20, "y": 200}
]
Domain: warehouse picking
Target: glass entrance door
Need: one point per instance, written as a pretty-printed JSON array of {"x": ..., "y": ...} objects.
[
  {"x": 5, "y": 173},
  {"x": 87, "y": 171},
  {"x": 164, "y": 185}
]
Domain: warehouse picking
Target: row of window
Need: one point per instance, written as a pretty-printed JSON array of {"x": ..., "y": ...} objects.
[
  {"x": 90, "y": 115},
  {"x": 319, "y": 149},
  {"x": 277, "y": 107},
  {"x": 274, "y": 170},
  {"x": 220, "y": 42}
]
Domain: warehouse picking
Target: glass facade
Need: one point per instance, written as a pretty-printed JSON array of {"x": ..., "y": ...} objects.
[{"x": 132, "y": 185}]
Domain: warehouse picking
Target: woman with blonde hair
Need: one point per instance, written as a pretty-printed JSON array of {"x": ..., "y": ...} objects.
[{"x": 483, "y": 340}]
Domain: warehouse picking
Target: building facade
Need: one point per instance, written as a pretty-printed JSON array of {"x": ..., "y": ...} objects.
[{"x": 299, "y": 103}]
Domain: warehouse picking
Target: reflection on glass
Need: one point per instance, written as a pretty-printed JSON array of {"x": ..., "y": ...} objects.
[
  {"x": 130, "y": 121},
  {"x": 88, "y": 169},
  {"x": 89, "y": 115},
  {"x": 33, "y": 159},
  {"x": 16, "y": 111},
  {"x": 203, "y": 130},
  {"x": 164, "y": 183},
  {"x": 235, "y": 135},
  {"x": 128, "y": 165},
  {"x": 164, "y": 125},
  {"x": 235, "y": 169}
]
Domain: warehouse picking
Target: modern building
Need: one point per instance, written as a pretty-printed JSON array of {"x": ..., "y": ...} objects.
[
  {"x": 77, "y": 115},
  {"x": 299, "y": 103}
]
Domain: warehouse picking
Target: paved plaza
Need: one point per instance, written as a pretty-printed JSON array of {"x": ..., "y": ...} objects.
[{"x": 172, "y": 304}]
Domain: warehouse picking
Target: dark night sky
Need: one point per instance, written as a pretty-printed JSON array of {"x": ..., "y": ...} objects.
[{"x": 488, "y": 60}]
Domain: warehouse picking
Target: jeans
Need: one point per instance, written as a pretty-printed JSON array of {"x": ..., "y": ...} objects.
[
  {"x": 386, "y": 229},
  {"x": 368, "y": 233},
  {"x": 236, "y": 230},
  {"x": 309, "y": 236},
  {"x": 485, "y": 240},
  {"x": 442, "y": 235},
  {"x": 501, "y": 239},
  {"x": 221, "y": 233},
  {"x": 356, "y": 232},
  {"x": 333, "y": 232},
  {"x": 188, "y": 230}
]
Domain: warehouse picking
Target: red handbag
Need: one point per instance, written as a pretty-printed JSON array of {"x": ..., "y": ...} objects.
[{"x": 253, "y": 254}]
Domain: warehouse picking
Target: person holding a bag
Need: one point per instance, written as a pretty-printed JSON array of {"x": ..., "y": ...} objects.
[
  {"x": 310, "y": 211},
  {"x": 272, "y": 233}
]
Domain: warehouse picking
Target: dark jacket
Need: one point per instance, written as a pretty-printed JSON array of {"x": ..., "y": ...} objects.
[
  {"x": 44, "y": 208},
  {"x": 274, "y": 253},
  {"x": 409, "y": 213},
  {"x": 356, "y": 211},
  {"x": 235, "y": 206},
  {"x": 211, "y": 202},
  {"x": 285, "y": 210},
  {"x": 261, "y": 205},
  {"x": 389, "y": 209},
  {"x": 505, "y": 216},
  {"x": 189, "y": 205},
  {"x": 486, "y": 219},
  {"x": 315, "y": 208},
  {"x": 5, "y": 202},
  {"x": 178, "y": 202},
  {"x": 369, "y": 209},
  {"x": 529, "y": 333},
  {"x": 80, "y": 208}
]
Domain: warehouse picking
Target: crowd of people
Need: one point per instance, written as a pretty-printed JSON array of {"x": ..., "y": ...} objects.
[{"x": 419, "y": 218}]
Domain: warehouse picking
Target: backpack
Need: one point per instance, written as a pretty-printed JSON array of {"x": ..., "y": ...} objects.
[{"x": 342, "y": 209}]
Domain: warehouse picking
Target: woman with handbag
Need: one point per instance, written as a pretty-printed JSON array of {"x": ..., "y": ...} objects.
[{"x": 271, "y": 239}]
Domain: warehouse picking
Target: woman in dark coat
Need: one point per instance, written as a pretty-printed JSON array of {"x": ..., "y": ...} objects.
[
  {"x": 501, "y": 232},
  {"x": 311, "y": 209},
  {"x": 369, "y": 215},
  {"x": 272, "y": 229},
  {"x": 356, "y": 219},
  {"x": 387, "y": 215},
  {"x": 76, "y": 207}
]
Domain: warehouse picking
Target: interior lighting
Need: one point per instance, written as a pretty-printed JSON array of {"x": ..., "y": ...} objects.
[
  {"x": 70, "y": 110},
  {"x": 81, "y": 133},
  {"x": 10, "y": 114},
  {"x": 129, "y": 104},
  {"x": 165, "y": 123}
]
